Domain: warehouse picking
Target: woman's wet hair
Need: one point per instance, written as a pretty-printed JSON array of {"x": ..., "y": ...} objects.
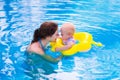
[{"x": 46, "y": 29}]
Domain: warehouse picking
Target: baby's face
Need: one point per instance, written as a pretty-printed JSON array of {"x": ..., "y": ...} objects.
[
  {"x": 65, "y": 34},
  {"x": 67, "y": 31}
]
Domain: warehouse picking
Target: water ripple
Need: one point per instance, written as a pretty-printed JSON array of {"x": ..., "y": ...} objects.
[{"x": 19, "y": 19}]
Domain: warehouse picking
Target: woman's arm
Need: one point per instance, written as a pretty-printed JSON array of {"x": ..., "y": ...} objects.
[
  {"x": 51, "y": 59},
  {"x": 39, "y": 51}
]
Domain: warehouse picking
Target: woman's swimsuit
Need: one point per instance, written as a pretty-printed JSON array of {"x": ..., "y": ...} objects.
[{"x": 41, "y": 44}]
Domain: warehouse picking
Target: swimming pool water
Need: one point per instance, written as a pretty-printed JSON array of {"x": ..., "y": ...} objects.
[{"x": 101, "y": 18}]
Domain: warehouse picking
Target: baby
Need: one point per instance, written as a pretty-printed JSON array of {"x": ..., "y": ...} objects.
[{"x": 67, "y": 31}]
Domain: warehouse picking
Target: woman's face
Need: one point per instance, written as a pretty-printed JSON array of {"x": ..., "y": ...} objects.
[{"x": 54, "y": 36}]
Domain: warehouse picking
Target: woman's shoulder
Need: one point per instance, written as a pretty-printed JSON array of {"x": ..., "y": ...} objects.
[{"x": 34, "y": 48}]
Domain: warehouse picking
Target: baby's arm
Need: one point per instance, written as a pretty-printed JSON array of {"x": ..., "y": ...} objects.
[{"x": 65, "y": 47}]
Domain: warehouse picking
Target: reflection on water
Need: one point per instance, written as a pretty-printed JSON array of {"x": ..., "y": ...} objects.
[{"x": 19, "y": 18}]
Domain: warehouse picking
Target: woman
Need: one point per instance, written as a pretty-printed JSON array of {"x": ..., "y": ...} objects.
[
  {"x": 47, "y": 32},
  {"x": 37, "y": 61}
]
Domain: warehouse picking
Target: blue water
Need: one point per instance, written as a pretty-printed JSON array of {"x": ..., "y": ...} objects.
[{"x": 101, "y": 18}]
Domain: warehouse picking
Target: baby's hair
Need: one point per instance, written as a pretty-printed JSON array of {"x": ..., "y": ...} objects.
[{"x": 68, "y": 27}]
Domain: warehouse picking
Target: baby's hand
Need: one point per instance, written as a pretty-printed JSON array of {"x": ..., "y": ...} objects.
[{"x": 71, "y": 43}]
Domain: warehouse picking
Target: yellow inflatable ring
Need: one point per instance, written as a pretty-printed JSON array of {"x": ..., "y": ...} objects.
[{"x": 85, "y": 42}]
